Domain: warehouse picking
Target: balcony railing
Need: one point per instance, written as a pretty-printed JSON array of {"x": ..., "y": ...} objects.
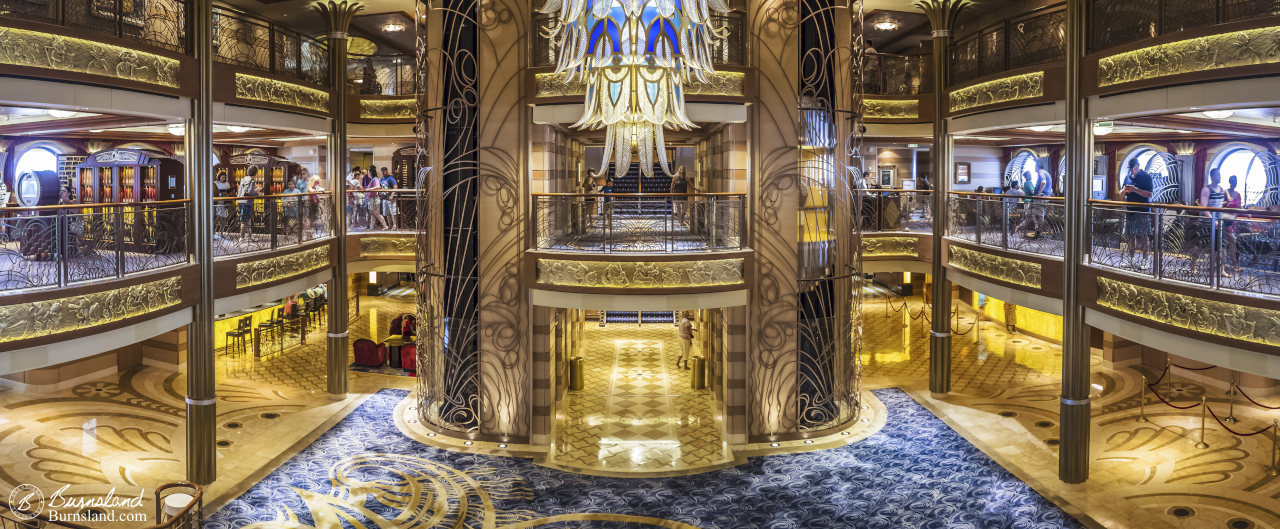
[
  {"x": 730, "y": 51},
  {"x": 389, "y": 75},
  {"x": 1028, "y": 39},
  {"x": 640, "y": 222},
  {"x": 897, "y": 75},
  {"x": 253, "y": 224},
  {"x": 1033, "y": 225},
  {"x": 382, "y": 210},
  {"x": 57, "y": 246},
  {"x": 1219, "y": 248},
  {"x": 159, "y": 23},
  {"x": 897, "y": 210},
  {"x": 247, "y": 41},
  {"x": 1117, "y": 22}
]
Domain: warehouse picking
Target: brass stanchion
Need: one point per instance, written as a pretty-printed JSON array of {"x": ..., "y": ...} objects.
[
  {"x": 1204, "y": 412},
  {"x": 1231, "y": 410},
  {"x": 1142, "y": 404},
  {"x": 1272, "y": 471}
]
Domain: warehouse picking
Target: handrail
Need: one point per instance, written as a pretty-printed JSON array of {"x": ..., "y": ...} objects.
[
  {"x": 254, "y": 42},
  {"x": 197, "y": 502},
  {"x": 282, "y": 195},
  {"x": 886, "y": 190},
  {"x": 93, "y": 205},
  {"x": 1002, "y": 195},
  {"x": 638, "y": 194},
  {"x": 1236, "y": 211}
]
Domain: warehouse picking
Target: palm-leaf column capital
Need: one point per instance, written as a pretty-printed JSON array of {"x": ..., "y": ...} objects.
[
  {"x": 942, "y": 14},
  {"x": 338, "y": 14}
]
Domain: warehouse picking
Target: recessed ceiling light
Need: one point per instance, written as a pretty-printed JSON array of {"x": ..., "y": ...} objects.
[
  {"x": 808, "y": 441},
  {"x": 775, "y": 445},
  {"x": 1103, "y": 128},
  {"x": 393, "y": 27},
  {"x": 1039, "y": 128},
  {"x": 95, "y": 131},
  {"x": 502, "y": 445},
  {"x": 1219, "y": 114},
  {"x": 61, "y": 114},
  {"x": 468, "y": 443},
  {"x": 237, "y": 128},
  {"x": 887, "y": 25}
]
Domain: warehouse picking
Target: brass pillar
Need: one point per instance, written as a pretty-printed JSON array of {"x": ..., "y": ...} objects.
[
  {"x": 338, "y": 15},
  {"x": 942, "y": 15},
  {"x": 1074, "y": 424},
  {"x": 201, "y": 408}
]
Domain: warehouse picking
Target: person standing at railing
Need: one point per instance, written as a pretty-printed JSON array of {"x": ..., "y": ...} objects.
[
  {"x": 1230, "y": 252},
  {"x": 376, "y": 199},
  {"x": 355, "y": 199},
  {"x": 680, "y": 187},
  {"x": 291, "y": 207},
  {"x": 390, "y": 211},
  {"x": 313, "y": 200},
  {"x": 606, "y": 191},
  {"x": 1137, "y": 189},
  {"x": 246, "y": 191}
]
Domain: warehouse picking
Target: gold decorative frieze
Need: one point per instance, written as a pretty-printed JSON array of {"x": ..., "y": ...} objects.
[
  {"x": 614, "y": 274},
  {"x": 36, "y": 49},
  {"x": 999, "y": 267},
  {"x": 280, "y": 267},
  {"x": 890, "y": 247},
  {"x": 718, "y": 84},
  {"x": 1216, "y": 318},
  {"x": 1201, "y": 54},
  {"x": 995, "y": 91},
  {"x": 380, "y": 246},
  {"x": 24, "y": 321},
  {"x": 262, "y": 89},
  {"x": 388, "y": 108},
  {"x": 891, "y": 108}
]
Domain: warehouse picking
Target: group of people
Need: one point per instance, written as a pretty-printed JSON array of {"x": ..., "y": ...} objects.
[
  {"x": 680, "y": 185},
  {"x": 368, "y": 201},
  {"x": 250, "y": 187}
]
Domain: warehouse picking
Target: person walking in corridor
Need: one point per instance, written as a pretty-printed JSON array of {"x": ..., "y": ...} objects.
[{"x": 686, "y": 339}]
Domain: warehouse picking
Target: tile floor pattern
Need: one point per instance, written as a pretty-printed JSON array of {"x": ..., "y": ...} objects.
[
  {"x": 1144, "y": 475},
  {"x": 637, "y": 411},
  {"x": 127, "y": 430}
]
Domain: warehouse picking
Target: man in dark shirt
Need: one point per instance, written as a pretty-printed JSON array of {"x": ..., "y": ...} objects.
[
  {"x": 1137, "y": 189},
  {"x": 607, "y": 191},
  {"x": 390, "y": 209}
]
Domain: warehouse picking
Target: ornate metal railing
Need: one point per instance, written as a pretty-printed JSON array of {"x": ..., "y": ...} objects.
[
  {"x": 190, "y": 516},
  {"x": 160, "y": 23},
  {"x": 1026, "y": 224},
  {"x": 731, "y": 51},
  {"x": 898, "y": 75},
  {"x": 244, "y": 40},
  {"x": 54, "y": 246},
  {"x": 1117, "y": 22},
  {"x": 1027, "y": 39},
  {"x": 1227, "y": 249},
  {"x": 254, "y": 224},
  {"x": 897, "y": 210},
  {"x": 640, "y": 222},
  {"x": 382, "y": 210},
  {"x": 387, "y": 75}
]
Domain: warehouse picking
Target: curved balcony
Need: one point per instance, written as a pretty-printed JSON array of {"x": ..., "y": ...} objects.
[
  {"x": 387, "y": 236},
  {"x": 897, "y": 88},
  {"x": 897, "y": 225},
  {"x": 640, "y": 222}
]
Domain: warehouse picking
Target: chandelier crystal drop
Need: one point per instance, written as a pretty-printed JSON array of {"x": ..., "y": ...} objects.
[{"x": 636, "y": 57}]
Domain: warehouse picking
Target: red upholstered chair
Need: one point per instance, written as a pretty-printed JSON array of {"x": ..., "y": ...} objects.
[
  {"x": 369, "y": 354},
  {"x": 409, "y": 357}
]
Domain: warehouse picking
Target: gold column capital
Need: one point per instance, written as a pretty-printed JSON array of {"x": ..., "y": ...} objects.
[
  {"x": 942, "y": 14},
  {"x": 338, "y": 13}
]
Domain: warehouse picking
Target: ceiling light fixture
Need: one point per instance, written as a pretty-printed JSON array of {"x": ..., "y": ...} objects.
[
  {"x": 237, "y": 128},
  {"x": 1039, "y": 128},
  {"x": 887, "y": 25},
  {"x": 1219, "y": 114},
  {"x": 176, "y": 129},
  {"x": 1103, "y": 128},
  {"x": 60, "y": 114},
  {"x": 393, "y": 27},
  {"x": 95, "y": 131}
]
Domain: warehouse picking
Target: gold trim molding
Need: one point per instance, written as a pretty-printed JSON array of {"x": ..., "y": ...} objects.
[
  {"x": 381, "y": 246},
  {"x": 262, "y": 89},
  {"x": 890, "y": 247},
  {"x": 1006, "y": 269},
  {"x": 1201, "y": 54},
  {"x": 995, "y": 91},
  {"x": 25, "y": 321},
  {"x": 388, "y": 108},
  {"x": 718, "y": 84},
  {"x": 1216, "y": 318},
  {"x": 660, "y": 274},
  {"x": 891, "y": 108},
  {"x": 280, "y": 267},
  {"x": 21, "y": 47}
]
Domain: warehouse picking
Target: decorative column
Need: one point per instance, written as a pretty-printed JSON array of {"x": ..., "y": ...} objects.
[
  {"x": 1073, "y": 452},
  {"x": 942, "y": 16},
  {"x": 201, "y": 399},
  {"x": 338, "y": 14}
]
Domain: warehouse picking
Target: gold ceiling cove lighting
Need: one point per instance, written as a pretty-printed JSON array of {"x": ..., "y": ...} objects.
[
  {"x": 276, "y": 268},
  {"x": 387, "y": 246},
  {"x": 262, "y": 89},
  {"x": 995, "y": 266},
  {"x": 1215, "y": 318},
  {"x": 890, "y": 247},
  {"x": 995, "y": 91},
  {"x": 890, "y": 108},
  {"x": 35, "y": 49},
  {"x": 636, "y": 57},
  {"x": 730, "y": 84},
  {"x": 388, "y": 108},
  {"x": 25, "y": 321},
  {"x": 661, "y": 274},
  {"x": 1201, "y": 54}
]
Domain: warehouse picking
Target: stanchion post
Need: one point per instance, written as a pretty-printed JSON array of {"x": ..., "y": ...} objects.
[
  {"x": 1204, "y": 412},
  {"x": 1142, "y": 403},
  {"x": 1231, "y": 409},
  {"x": 1168, "y": 373},
  {"x": 1272, "y": 471}
]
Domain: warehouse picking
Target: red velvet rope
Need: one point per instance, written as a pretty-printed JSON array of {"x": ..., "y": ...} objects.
[
  {"x": 1171, "y": 405},
  {"x": 1228, "y": 428},
  {"x": 1256, "y": 403},
  {"x": 1192, "y": 368},
  {"x": 1162, "y": 374}
]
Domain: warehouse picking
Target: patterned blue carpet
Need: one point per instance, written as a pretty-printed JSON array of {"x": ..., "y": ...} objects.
[{"x": 915, "y": 473}]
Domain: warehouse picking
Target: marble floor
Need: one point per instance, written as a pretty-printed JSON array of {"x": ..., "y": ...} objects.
[
  {"x": 1004, "y": 399},
  {"x": 127, "y": 431},
  {"x": 637, "y": 411}
]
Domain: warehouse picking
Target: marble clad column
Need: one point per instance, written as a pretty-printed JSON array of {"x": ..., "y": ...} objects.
[
  {"x": 1073, "y": 453},
  {"x": 942, "y": 15},
  {"x": 338, "y": 15},
  {"x": 201, "y": 398}
]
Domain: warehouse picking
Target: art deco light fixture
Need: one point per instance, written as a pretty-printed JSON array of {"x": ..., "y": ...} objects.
[
  {"x": 887, "y": 25},
  {"x": 636, "y": 58},
  {"x": 393, "y": 27}
]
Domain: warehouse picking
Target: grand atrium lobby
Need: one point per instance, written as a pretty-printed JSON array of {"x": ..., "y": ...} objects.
[{"x": 639, "y": 264}]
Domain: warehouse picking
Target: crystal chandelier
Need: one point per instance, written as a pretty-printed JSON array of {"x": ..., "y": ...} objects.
[{"x": 636, "y": 57}]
